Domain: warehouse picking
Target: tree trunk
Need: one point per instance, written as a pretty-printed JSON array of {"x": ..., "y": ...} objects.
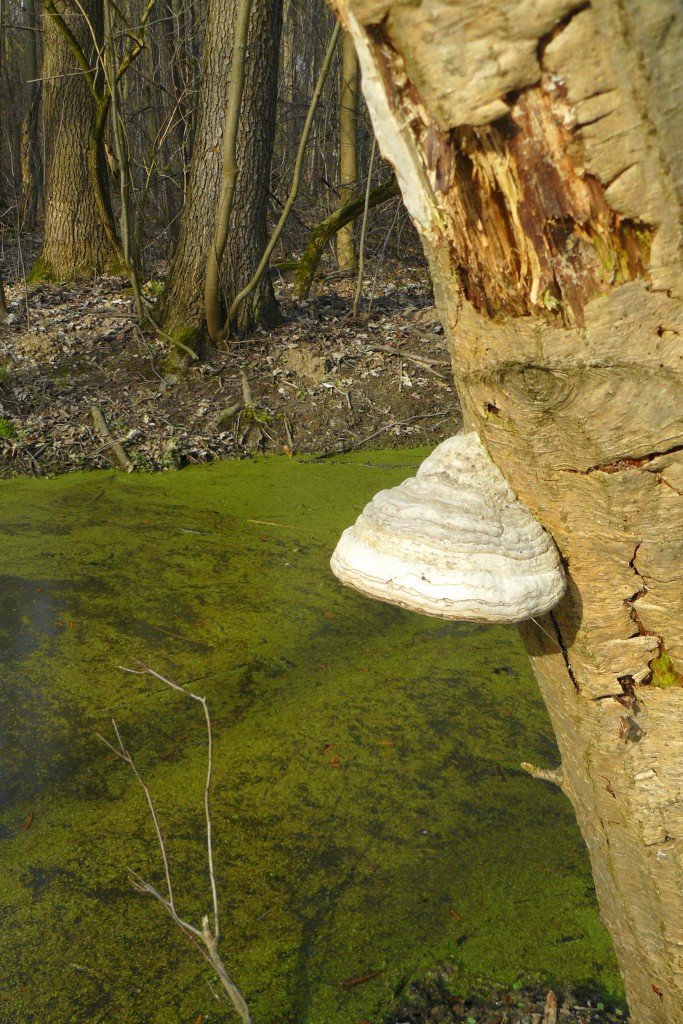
[
  {"x": 31, "y": 183},
  {"x": 75, "y": 241},
  {"x": 348, "y": 149},
  {"x": 536, "y": 145},
  {"x": 180, "y": 308},
  {"x": 249, "y": 223}
]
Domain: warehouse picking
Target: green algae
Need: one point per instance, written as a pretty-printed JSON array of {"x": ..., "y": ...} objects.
[{"x": 367, "y": 778}]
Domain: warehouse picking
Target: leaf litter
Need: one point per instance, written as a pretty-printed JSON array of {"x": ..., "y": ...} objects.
[{"x": 321, "y": 383}]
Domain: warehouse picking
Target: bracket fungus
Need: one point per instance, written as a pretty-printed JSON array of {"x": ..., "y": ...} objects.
[{"x": 453, "y": 541}]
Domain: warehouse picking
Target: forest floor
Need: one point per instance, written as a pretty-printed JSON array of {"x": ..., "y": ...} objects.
[
  {"x": 431, "y": 1002},
  {"x": 321, "y": 383}
]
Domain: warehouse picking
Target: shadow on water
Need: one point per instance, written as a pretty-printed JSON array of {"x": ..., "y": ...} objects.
[{"x": 370, "y": 816}]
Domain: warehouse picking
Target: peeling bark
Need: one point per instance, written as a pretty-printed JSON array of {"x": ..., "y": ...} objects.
[{"x": 535, "y": 148}]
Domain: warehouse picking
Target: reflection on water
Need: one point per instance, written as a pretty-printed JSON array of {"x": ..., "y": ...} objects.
[
  {"x": 28, "y": 622},
  {"x": 370, "y": 816}
]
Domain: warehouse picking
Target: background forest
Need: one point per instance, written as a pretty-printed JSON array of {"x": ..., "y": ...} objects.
[{"x": 147, "y": 231}]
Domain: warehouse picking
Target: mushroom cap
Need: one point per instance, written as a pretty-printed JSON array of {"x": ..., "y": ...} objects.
[{"x": 453, "y": 541}]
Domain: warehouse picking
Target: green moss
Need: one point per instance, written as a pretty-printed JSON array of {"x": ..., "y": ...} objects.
[
  {"x": 7, "y": 429},
  {"x": 285, "y": 266},
  {"x": 40, "y": 271},
  {"x": 43, "y": 270},
  {"x": 184, "y": 340},
  {"x": 664, "y": 672},
  {"x": 366, "y": 772}
]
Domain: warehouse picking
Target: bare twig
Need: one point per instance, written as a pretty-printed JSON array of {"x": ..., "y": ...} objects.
[
  {"x": 427, "y": 364},
  {"x": 121, "y": 752},
  {"x": 224, "y": 416},
  {"x": 382, "y": 430},
  {"x": 145, "y": 670},
  {"x": 205, "y": 939}
]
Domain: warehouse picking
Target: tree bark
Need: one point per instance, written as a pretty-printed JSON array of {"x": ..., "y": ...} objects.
[
  {"x": 536, "y": 148},
  {"x": 348, "y": 149},
  {"x": 180, "y": 309},
  {"x": 75, "y": 240},
  {"x": 31, "y": 183}
]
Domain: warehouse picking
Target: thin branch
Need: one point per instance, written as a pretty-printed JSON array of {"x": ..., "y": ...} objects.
[
  {"x": 554, "y": 775},
  {"x": 205, "y": 940},
  {"x": 125, "y": 756},
  {"x": 146, "y": 670},
  {"x": 361, "y": 259},
  {"x": 116, "y": 446}
]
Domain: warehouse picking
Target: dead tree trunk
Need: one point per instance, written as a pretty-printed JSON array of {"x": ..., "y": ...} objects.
[{"x": 536, "y": 145}]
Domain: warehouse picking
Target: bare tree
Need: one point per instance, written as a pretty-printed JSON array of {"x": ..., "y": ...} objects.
[
  {"x": 79, "y": 235},
  {"x": 77, "y": 109}
]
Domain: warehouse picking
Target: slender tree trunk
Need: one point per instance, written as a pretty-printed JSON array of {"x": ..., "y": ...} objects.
[
  {"x": 180, "y": 309},
  {"x": 323, "y": 232},
  {"x": 5, "y": 145},
  {"x": 348, "y": 149},
  {"x": 31, "y": 163},
  {"x": 249, "y": 223},
  {"x": 537, "y": 149}
]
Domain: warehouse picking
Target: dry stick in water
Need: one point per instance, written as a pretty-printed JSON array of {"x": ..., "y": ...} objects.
[{"x": 205, "y": 938}]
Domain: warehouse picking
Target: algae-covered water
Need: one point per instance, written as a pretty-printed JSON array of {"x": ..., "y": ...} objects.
[{"x": 369, "y": 813}]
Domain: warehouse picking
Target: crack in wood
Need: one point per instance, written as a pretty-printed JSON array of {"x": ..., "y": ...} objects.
[
  {"x": 565, "y": 653},
  {"x": 626, "y": 463}
]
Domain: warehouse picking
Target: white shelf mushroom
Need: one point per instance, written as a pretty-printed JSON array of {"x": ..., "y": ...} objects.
[{"x": 453, "y": 541}]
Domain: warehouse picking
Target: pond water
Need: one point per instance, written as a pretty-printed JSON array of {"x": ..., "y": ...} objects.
[{"x": 369, "y": 811}]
